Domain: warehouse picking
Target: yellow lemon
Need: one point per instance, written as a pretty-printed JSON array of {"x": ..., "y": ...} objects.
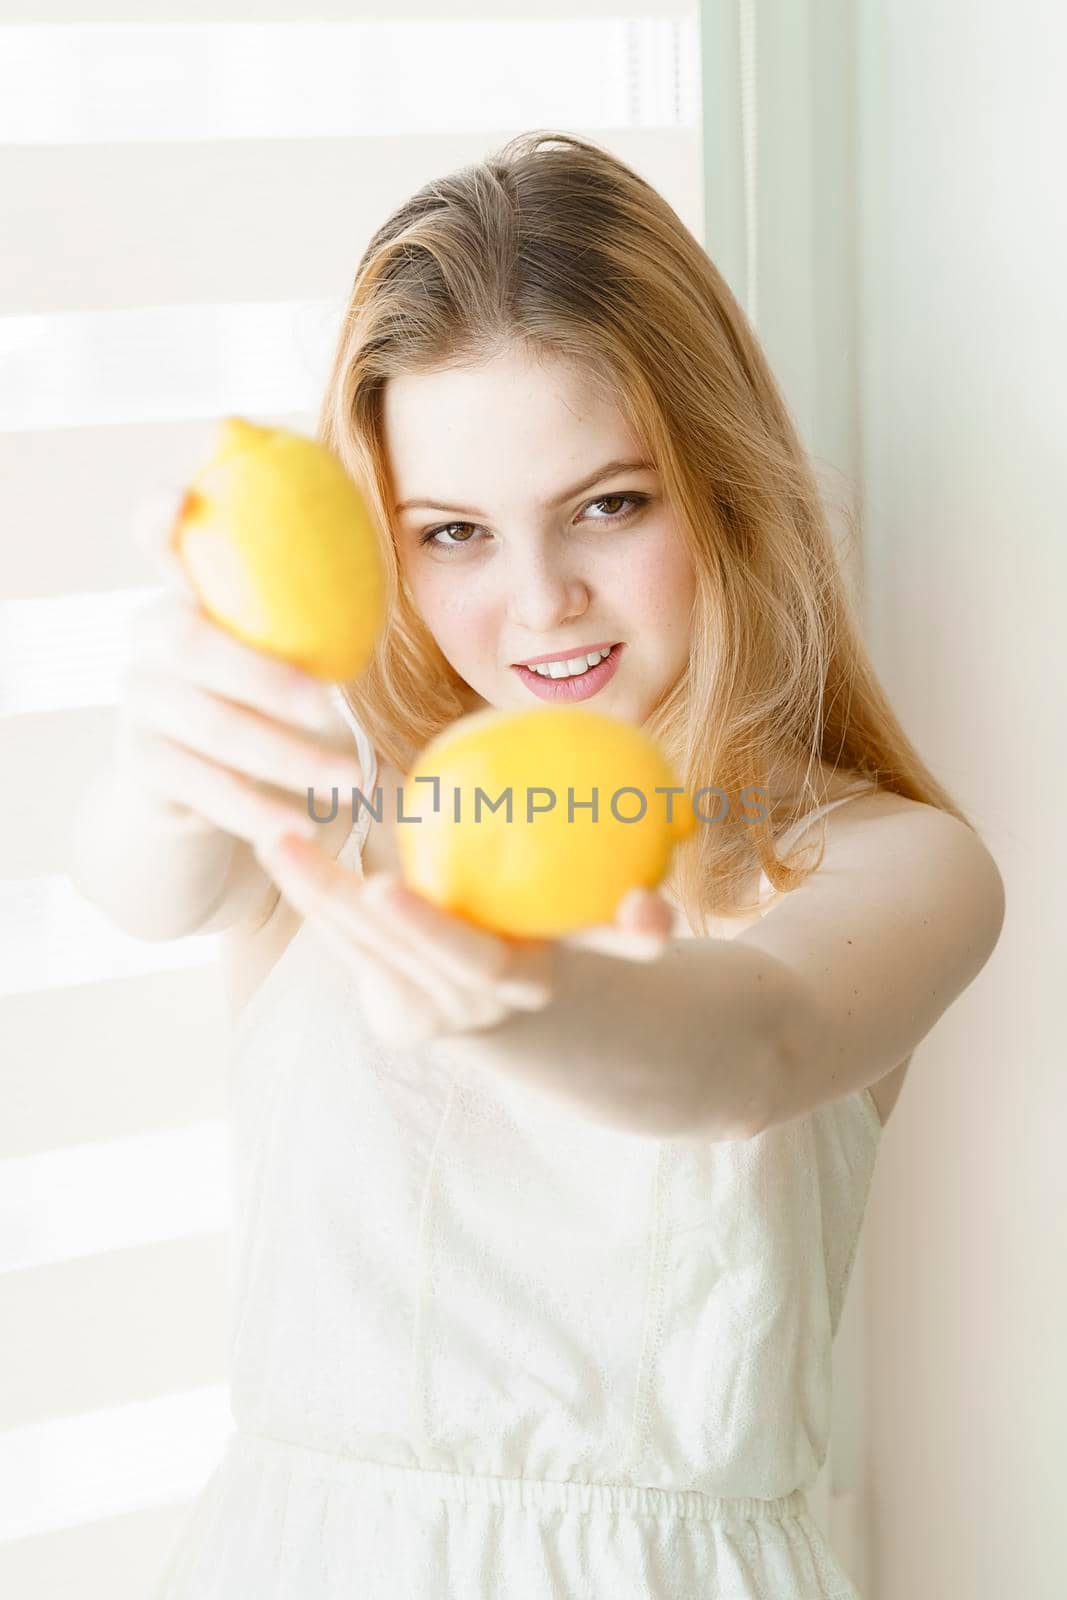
[
  {"x": 282, "y": 551},
  {"x": 551, "y": 864}
]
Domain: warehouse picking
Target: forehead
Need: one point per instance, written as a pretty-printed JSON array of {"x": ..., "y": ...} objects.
[{"x": 514, "y": 421}]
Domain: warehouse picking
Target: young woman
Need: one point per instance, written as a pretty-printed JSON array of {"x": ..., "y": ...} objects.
[{"x": 540, "y": 1248}]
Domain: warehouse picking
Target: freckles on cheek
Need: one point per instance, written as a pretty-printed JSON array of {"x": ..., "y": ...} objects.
[
  {"x": 451, "y": 614},
  {"x": 433, "y": 599},
  {"x": 664, "y": 588},
  {"x": 452, "y": 617},
  {"x": 657, "y": 580}
]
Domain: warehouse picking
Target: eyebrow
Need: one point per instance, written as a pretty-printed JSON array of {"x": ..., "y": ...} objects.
[{"x": 608, "y": 471}]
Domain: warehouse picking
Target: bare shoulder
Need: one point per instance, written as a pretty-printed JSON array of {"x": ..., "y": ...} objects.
[
  {"x": 928, "y": 834},
  {"x": 880, "y": 803},
  {"x": 868, "y": 805},
  {"x": 907, "y": 831},
  {"x": 902, "y": 912},
  {"x": 905, "y": 861},
  {"x": 924, "y": 830}
]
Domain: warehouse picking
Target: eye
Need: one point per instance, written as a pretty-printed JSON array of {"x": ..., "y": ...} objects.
[
  {"x": 633, "y": 502},
  {"x": 431, "y": 536}
]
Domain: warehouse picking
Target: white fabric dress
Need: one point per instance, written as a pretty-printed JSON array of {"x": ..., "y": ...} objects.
[{"x": 481, "y": 1349}]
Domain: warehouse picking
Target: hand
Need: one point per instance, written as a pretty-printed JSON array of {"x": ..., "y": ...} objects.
[
  {"x": 211, "y": 728},
  {"x": 425, "y": 973}
]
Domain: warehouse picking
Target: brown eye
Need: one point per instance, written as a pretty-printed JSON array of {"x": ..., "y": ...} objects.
[
  {"x": 446, "y": 527},
  {"x": 633, "y": 503}
]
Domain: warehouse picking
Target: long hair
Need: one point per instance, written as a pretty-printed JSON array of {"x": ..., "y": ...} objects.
[{"x": 553, "y": 247}]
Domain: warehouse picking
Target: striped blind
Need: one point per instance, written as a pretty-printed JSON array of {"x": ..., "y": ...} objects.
[{"x": 183, "y": 204}]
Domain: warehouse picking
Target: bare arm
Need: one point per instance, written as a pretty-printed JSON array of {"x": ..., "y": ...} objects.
[
  {"x": 721, "y": 1039},
  {"x": 683, "y": 1047},
  {"x": 215, "y": 747},
  {"x": 900, "y": 918},
  {"x": 161, "y": 872}
]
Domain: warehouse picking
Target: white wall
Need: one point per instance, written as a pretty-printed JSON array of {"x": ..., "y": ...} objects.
[
  {"x": 780, "y": 223},
  {"x": 962, "y": 354},
  {"x": 910, "y": 269}
]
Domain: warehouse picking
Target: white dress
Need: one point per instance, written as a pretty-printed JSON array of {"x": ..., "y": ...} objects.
[{"x": 482, "y": 1349}]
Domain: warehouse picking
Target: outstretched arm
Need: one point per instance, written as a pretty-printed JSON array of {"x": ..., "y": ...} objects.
[
  {"x": 680, "y": 1047},
  {"x": 719, "y": 1039},
  {"x": 902, "y": 915},
  {"x": 704, "y": 1039}
]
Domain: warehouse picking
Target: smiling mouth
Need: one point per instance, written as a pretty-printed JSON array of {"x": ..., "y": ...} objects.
[
  {"x": 603, "y": 651},
  {"x": 568, "y": 685}
]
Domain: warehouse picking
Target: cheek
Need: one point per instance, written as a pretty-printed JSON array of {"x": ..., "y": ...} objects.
[
  {"x": 662, "y": 581},
  {"x": 450, "y": 610}
]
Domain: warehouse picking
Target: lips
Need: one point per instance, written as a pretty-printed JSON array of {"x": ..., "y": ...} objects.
[
  {"x": 566, "y": 655},
  {"x": 582, "y": 687}
]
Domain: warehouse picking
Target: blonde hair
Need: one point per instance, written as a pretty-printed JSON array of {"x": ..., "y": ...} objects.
[{"x": 553, "y": 247}]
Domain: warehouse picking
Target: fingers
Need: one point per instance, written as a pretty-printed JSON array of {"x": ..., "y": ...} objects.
[
  {"x": 443, "y": 1002},
  {"x": 645, "y": 911},
  {"x": 152, "y": 520},
  {"x": 232, "y": 735},
  {"x": 182, "y": 639},
  {"x": 169, "y": 772},
  {"x": 397, "y": 1011},
  {"x": 643, "y": 924},
  {"x": 467, "y": 956},
  {"x": 205, "y": 719},
  {"x": 471, "y": 977},
  {"x": 320, "y": 888},
  {"x": 617, "y": 942},
  {"x": 530, "y": 978},
  {"x": 393, "y": 1006}
]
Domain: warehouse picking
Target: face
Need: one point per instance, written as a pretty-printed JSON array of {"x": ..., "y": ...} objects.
[{"x": 513, "y": 548}]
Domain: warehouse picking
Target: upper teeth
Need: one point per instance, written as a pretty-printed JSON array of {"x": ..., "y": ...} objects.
[{"x": 572, "y": 668}]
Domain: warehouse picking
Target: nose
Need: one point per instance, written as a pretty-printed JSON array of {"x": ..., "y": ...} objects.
[{"x": 544, "y": 591}]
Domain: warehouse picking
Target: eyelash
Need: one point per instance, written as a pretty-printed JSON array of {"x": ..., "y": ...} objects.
[{"x": 635, "y": 501}]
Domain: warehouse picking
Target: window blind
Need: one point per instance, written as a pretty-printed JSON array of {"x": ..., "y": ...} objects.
[{"x": 184, "y": 203}]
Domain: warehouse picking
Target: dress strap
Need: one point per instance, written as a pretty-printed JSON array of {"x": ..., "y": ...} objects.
[
  {"x": 351, "y": 852},
  {"x": 368, "y": 757},
  {"x": 790, "y": 835},
  {"x": 768, "y": 895}
]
